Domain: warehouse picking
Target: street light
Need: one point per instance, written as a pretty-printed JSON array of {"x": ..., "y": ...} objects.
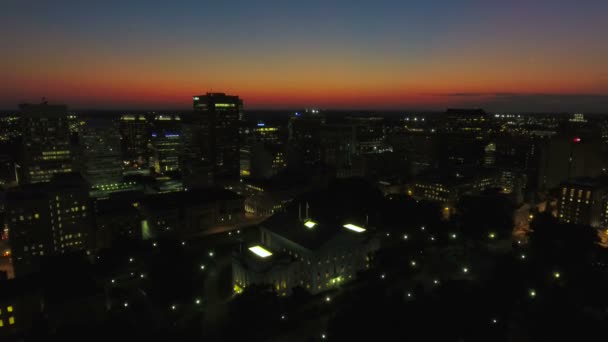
[{"x": 202, "y": 267}]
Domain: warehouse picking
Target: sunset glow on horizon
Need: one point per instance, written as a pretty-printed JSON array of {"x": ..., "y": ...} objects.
[{"x": 391, "y": 55}]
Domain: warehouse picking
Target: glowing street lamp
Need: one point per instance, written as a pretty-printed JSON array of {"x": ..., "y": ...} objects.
[
  {"x": 405, "y": 237},
  {"x": 465, "y": 270},
  {"x": 556, "y": 275},
  {"x": 532, "y": 293},
  {"x": 328, "y": 299},
  {"x": 126, "y": 305}
]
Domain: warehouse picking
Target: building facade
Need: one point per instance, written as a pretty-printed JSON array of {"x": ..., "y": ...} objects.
[{"x": 46, "y": 147}]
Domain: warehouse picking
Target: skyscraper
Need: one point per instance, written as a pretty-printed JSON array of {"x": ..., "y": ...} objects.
[
  {"x": 135, "y": 132},
  {"x": 215, "y": 134},
  {"x": 304, "y": 142},
  {"x": 46, "y": 148},
  {"x": 166, "y": 144},
  {"x": 99, "y": 139}
]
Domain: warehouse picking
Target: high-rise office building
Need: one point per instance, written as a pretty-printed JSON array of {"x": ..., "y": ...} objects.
[
  {"x": 214, "y": 137},
  {"x": 48, "y": 219},
  {"x": 100, "y": 143},
  {"x": 262, "y": 150},
  {"x": 46, "y": 148},
  {"x": 135, "y": 133},
  {"x": 304, "y": 141},
  {"x": 166, "y": 143}
]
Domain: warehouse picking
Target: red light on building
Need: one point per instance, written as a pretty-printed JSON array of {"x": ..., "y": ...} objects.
[{"x": 576, "y": 140}]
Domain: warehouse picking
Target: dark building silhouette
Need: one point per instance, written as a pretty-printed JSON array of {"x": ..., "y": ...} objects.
[
  {"x": 304, "y": 140},
  {"x": 213, "y": 139},
  {"x": 135, "y": 132}
]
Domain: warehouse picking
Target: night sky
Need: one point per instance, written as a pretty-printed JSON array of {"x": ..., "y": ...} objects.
[{"x": 389, "y": 54}]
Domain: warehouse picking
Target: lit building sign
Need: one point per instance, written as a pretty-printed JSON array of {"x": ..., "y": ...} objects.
[{"x": 224, "y": 105}]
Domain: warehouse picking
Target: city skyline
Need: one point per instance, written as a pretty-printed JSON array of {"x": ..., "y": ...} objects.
[{"x": 516, "y": 57}]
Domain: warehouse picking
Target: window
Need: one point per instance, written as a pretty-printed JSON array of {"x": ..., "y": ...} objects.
[{"x": 11, "y": 320}]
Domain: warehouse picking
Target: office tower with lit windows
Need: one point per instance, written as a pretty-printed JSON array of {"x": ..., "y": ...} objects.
[
  {"x": 135, "y": 134},
  {"x": 166, "y": 143},
  {"x": 46, "y": 147},
  {"x": 48, "y": 219},
  {"x": 262, "y": 150},
  {"x": 214, "y": 137},
  {"x": 583, "y": 201},
  {"x": 100, "y": 143}
]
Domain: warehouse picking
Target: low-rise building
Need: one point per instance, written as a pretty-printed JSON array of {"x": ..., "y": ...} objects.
[{"x": 314, "y": 255}]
